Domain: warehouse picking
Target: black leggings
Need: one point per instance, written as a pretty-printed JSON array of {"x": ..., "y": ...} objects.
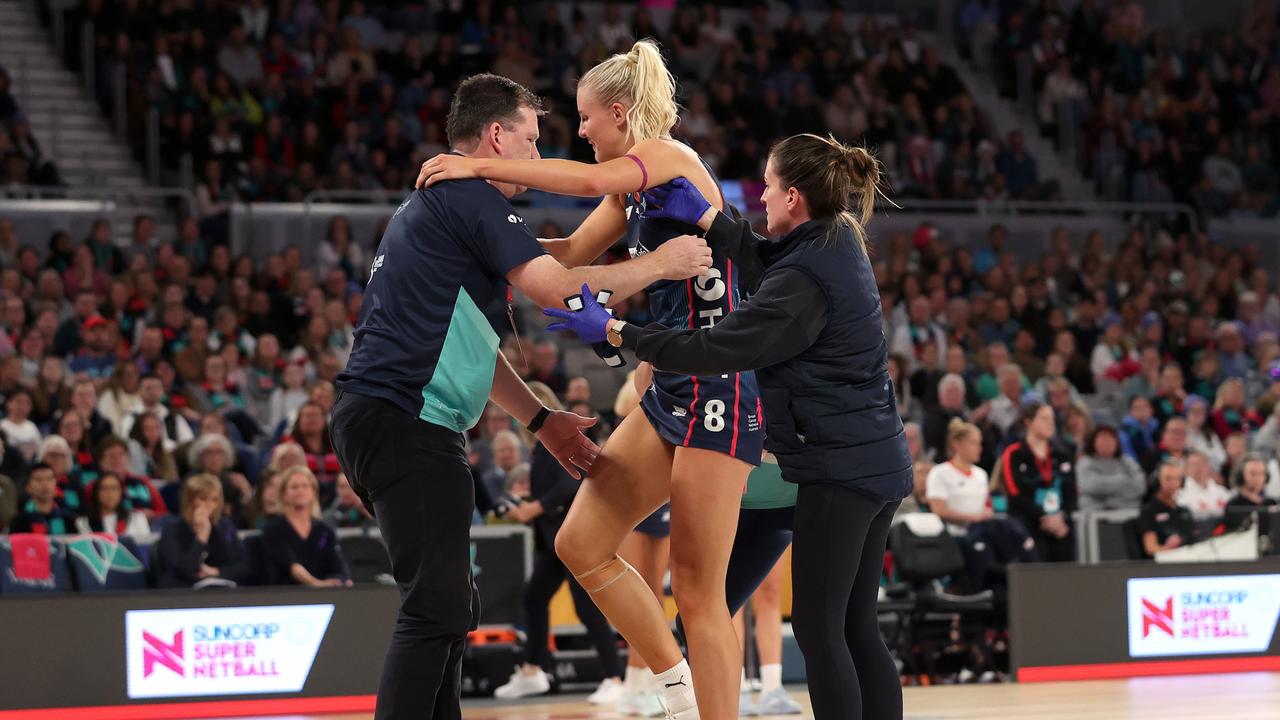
[
  {"x": 548, "y": 574},
  {"x": 836, "y": 565}
]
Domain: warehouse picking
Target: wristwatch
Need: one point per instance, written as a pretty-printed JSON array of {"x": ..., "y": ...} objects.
[{"x": 613, "y": 332}]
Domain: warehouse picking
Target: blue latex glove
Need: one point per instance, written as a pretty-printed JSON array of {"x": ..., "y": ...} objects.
[
  {"x": 677, "y": 200},
  {"x": 589, "y": 322}
]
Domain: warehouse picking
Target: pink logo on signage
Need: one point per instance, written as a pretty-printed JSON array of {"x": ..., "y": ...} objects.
[
  {"x": 1157, "y": 616},
  {"x": 158, "y": 651}
]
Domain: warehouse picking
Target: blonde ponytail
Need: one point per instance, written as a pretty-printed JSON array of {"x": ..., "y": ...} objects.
[{"x": 639, "y": 79}]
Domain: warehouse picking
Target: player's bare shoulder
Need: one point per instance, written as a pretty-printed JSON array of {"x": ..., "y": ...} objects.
[{"x": 679, "y": 160}]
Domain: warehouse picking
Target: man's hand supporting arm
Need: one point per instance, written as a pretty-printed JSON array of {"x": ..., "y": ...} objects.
[{"x": 560, "y": 432}]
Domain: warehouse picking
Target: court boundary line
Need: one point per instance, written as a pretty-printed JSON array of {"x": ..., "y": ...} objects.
[
  {"x": 1108, "y": 671},
  {"x": 207, "y": 708}
]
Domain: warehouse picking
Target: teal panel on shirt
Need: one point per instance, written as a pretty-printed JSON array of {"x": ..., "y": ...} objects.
[{"x": 459, "y": 388}]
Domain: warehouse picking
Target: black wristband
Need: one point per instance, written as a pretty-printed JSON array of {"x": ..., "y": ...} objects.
[{"x": 536, "y": 423}]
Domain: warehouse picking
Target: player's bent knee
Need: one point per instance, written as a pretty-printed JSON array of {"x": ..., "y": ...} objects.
[
  {"x": 604, "y": 574},
  {"x": 572, "y": 551}
]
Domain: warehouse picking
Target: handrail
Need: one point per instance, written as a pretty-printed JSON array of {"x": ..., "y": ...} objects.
[
  {"x": 912, "y": 205},
  {"x": 316, "y": 197},
  {"x": 1046, "y": 207},
  {"x": 120, "y": 100},
  {"x": 57, "y": 20},
  {"x": 153, "y": 146},
  {"x": 120, "y": 196},
  {"x": 370, "y": 197},
  {"x": 22, "y": 84},
  {"x": 87, "y": 60}
]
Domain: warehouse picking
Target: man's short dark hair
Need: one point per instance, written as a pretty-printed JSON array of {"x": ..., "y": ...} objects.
[
  {"x": 483, "y": 99},
  {"x": 41, "y": 467}
]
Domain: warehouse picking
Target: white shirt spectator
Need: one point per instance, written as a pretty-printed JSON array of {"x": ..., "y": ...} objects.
[
  {"x": 241, "y": 63},
  {"x": 24, "y": 436},
  {"x": 255, "y": 18},
  {"x": 1103, "y": 358},
  {"x": 327, "y": 258},
  {"x": 963, "y": 492},
  {"x": 284, "y": 403},
  {"x": 116, "y": 405},
  {"x": 180, "y": 432},
  {"x": 1004, "y": 413},
  {"x": 1058, "y": 87},
  {"x": 136, "y": 525},
  {"x": 168, "y": 71},
  {"x": 1206, "y": 501},
  {"x": 906, "y": 335},
  {"x": 1210, "y": 444},
  {"x": 1271, "y": 310}
]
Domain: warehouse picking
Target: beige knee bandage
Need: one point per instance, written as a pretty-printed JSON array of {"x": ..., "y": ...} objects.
[{"x": 603, "y": 575}]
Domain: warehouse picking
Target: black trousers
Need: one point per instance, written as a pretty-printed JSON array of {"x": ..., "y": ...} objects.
[
  {"x": 414, "y": 477},
  {"x": 994, "y": 543},
  {"x": 1054, "y": 549},
  {"x": 836, "y": 565},
  {"x": 548, "y": 574}
]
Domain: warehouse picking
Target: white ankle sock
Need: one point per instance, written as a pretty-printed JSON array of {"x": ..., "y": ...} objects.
[
  {"x": 745, "y": 685},
  {"x": 770, "y": 677},
  {"x": 676, "y": 688}
]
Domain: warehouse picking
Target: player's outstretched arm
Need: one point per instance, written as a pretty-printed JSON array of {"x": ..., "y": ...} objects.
[{"x": 652, "y": 162}]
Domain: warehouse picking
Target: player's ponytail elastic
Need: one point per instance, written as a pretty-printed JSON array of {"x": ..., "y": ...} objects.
[{"x": 640, "y": 80}]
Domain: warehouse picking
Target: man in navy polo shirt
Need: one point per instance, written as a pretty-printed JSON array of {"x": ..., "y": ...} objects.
[{"x": 423, "y": 365}]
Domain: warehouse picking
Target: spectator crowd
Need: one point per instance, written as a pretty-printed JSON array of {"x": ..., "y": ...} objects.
[
  {"x": 264, "y": 101},
  {"x": 1085, "y": 376},
  {"x": 1158, "y": 118},
  {"x": 176, "y": 393},
  {"x": 1143, "y": 377}
]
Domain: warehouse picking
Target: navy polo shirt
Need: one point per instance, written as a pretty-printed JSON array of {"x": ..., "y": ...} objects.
[{"x": 423, "y": 340}]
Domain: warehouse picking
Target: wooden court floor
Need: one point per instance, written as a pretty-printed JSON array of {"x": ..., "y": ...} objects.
[{"x": 1245, "y": 696}]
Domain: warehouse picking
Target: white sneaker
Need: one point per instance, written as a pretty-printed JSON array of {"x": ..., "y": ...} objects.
[
  {"x": 778, "y": 702},
  {"x": 641, "y": 704},
  {"x": 746, "y": 707},
  {"x": 521, "y": 685},
  {"x": 609, "y": 692}
]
